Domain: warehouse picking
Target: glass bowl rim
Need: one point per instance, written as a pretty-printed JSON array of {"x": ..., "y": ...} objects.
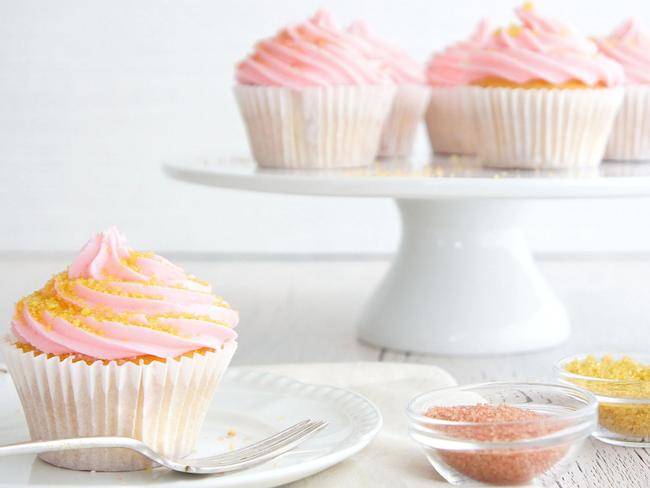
[
  {"x": 562, "y": 373},
  {"x": 584, "y": 412}
]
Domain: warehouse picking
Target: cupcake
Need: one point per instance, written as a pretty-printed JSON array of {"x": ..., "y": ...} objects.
[
  {"x": 630, "y": 138},
  {"x": 411, "y": 96},
  {"x": 123, "y": 343},
  {"x": 450, "y": 118},
  {"x": 545, "y": 97},
  {"x": 311, "y": 97}
]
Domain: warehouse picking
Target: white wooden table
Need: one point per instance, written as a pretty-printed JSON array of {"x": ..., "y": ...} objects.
[{"x": 301, "y": 310}]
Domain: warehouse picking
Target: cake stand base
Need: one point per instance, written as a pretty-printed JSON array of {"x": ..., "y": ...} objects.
[{"x": 463, "y": 282}]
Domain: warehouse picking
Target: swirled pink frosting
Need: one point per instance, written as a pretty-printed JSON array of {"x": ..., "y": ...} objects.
[
  {"x": 542, "y": 49},
  {"x": 449, "y": 68},
  {"x": 400, "y": 67},
  {"x": 629, "y": 46},
  {"x": 313, "y": 53},
  {"x": 116, "y": 303}
]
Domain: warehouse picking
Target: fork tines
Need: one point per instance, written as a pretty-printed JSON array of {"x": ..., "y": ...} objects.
[{"x": 264, "y": 447}]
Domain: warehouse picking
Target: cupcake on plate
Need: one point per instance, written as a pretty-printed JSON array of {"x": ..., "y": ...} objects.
[
  {"x": 311, "y": 97},
  {"x": 450, "y": 117},
  {"x": 123, "y": 343},
  {"x": 411, "y": 97},
  {"x": 545, "y": 97},
  {"x": 630, "y": 138}
]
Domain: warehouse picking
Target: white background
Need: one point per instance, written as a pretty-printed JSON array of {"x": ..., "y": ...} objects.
[{"x": 94, "y": 95}]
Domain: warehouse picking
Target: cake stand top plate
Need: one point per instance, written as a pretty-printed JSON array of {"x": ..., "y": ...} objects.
[{"x": 440, "y": 178}]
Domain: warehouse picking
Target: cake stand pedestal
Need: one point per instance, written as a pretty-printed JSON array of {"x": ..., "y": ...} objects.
[{"x": 463, "y": 280}]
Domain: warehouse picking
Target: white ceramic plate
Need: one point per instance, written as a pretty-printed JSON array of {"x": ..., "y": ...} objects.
[{"x": 250, "y": 405}]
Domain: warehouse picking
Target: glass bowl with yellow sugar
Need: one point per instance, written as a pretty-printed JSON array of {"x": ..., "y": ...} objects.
[{"x": 621, "y": 383}]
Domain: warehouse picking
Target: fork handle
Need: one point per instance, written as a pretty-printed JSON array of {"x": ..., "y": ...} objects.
[{"x": 36, "y": 447}]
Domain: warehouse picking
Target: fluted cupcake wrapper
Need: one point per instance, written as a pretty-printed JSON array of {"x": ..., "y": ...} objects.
[
  {"x": 401, "y": 124},
  {"x": 544, "y": 128},
  {"x": 162, "y": 403},
  {"x": 451, "y": 122},
  {"x": 320, "y": 127},
  {"x": 630, "y": 138}
]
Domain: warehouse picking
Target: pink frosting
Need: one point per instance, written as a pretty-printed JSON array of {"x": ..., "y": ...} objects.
[
  {"x": 449, "y": 68},
  {"x": 542, "y": 49},
  {"x": 629, "y": 46},
  {"x": 313, "y": 53},
  {"x": 115, "y": 303},
  {"x": 400, "y": 67}
]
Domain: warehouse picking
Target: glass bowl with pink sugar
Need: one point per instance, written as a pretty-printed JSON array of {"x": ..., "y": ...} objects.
[
  {"x": 621, "y": 384},
  {"x": 504, "y": 433}
]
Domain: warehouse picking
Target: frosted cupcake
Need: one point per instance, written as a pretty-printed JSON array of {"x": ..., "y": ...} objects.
[
  {"x": 311, "y": 97},
  {"x": 450, "y": 117},
  {"x": 123, "y": 343},
  {"x": 630, "y": 138},
  {"x": 411, "y": 97},
  {"x": 546, "y": 97}
]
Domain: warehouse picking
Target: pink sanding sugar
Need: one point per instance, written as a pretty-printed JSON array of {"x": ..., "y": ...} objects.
[{"x": 502, "y": 423}]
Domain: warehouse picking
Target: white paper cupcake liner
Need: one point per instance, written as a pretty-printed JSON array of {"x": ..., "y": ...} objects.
[
  {"x": 320, "y": 127},
  {"x": 162, "y": 403},
  {"x": 451, "y": 122},
  {"x": 401, "y": 124},
  {"x": 630, "y": 138},
  {"x": 544, "y": 128}
]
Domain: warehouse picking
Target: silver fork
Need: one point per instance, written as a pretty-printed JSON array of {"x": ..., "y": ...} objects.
[{"x": 246, "y": 457}]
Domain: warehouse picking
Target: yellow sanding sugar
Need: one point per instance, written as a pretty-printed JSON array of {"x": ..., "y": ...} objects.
[
  {"x": 132, "y": 260},
  {"x": 609, "y": 368},
  {"x": 632, "y": 381}
]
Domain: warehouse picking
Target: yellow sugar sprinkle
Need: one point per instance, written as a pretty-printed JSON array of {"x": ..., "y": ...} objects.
[
  {"x": 105, "y": 287},
  {"x": 528, "y": 6},
  {"x": 143, "y": 254},
  {"x": 114, "y": 279},
  {"x": 197, "y": 280},
  {"x": 533, "y": 84},
  {"x": 63, "y": 304},
  {"x": 59, "y": 299},
  {"x": 130, "y": 264},
  {"x": 38, "y": 305},
  {"x": 154, "y": 325},
  {"x": 629, "y": 419},
  {"x": 608, "y": 368},
  {"x": 514, "y": 30},
  {"x": 180, "y": 286},
  {"x": 131, "y": 260},
  {"x": 189, "y": 316},
  {"x": 143, "y": 359}
]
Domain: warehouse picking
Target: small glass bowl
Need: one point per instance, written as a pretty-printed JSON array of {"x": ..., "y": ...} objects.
[
  {"x": 623, "y": 405},
  {"x": 504, "y": 453}
]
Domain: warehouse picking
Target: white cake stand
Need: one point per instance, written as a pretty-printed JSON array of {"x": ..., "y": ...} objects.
[{"x": 464, "y": 280}]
